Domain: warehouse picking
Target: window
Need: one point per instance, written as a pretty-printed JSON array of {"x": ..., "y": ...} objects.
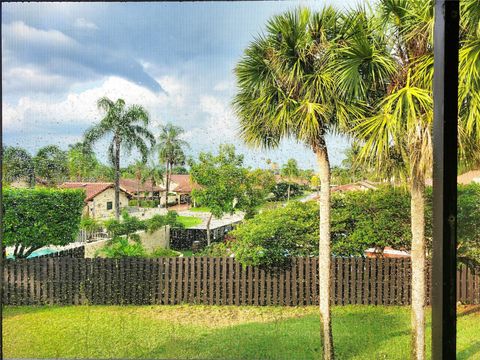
[{"x": 109, "y": 205}]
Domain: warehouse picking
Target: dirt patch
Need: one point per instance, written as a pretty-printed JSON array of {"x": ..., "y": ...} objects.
[
  {"x": 214, "y": 317},
  {"x": 464, "y": 310}
]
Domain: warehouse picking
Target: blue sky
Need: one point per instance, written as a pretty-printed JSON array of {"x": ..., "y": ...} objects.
[{"x": 176, "y": 59}]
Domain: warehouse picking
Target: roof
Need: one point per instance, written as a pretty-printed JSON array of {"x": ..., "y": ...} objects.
[
  {"x": 387, "y": 252},
  {"x": 133, "y": 185},
  {"x": 92, "y": 189},
  {"x": 184, "y": 183},
  {"x": 361, "y": 185},
  {"x": 469, "y": 177}
]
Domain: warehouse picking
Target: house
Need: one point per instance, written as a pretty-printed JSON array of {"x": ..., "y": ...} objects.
[
  {"x": 388, "y": 252},
  {"x": 142, "y": 190},
  {"x": 182, "y": 186},
  {"x": 100, "y": 198},
  {"x": 358, "y": 186}
]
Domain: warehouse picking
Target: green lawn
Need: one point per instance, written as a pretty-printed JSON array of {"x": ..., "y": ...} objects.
[
  {"x": 181, "y": 332},
  {"x": 200, "y": 209},
  {"x": 189, "y": 221}
]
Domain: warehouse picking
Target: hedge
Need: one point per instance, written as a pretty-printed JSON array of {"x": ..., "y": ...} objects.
[{"x": 34, "y": 218}]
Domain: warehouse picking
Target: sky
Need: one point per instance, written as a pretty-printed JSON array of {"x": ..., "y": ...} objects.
[{"x": 175, "y": 59}]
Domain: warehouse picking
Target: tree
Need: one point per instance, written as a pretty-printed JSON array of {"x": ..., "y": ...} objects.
[
  {"x": 171, "y": 151},
  {"x": 82, "y": 162},
  {"x": 156, "y": 175},
  {"x": 222, "y": 181},
  {"x": 259, "y": 184},
  {"x": 290, "y": 171},
  {"x": 127, "y": 127},
  {"x": 17, "y": 165},
  {"x": 315, "y": 183},
  {"x": 286, "y": 88},
  {"x": 396, "y": 88},
  {"x": 34, "y": 218},
  {"x": 51, "y": 164}
]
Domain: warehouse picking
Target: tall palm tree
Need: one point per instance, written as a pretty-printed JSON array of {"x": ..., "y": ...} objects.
[
  {"x": 286, "y": 90},
  {"x": 171, "y": 151},
  {"x": 127, "y": 127},
  {"x": 397, "y": 133},
  {"x": 290, "y": 171}
]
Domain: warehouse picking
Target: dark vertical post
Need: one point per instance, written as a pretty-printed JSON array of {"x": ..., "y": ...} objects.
[{"x": 445, "y": 95}]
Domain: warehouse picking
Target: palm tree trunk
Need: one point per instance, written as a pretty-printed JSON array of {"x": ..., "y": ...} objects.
[
  {"x": 288, "y": 193},
  {"x": 117, "y": 178},
  {"x": 208, "y": 229},
  {"x": 166, "y": 185},
  {"x": 417, "y": 206},
  {"x": 324, "y": 251}
]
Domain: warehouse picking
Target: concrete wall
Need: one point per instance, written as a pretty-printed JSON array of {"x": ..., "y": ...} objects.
[
  {"x": 151, "y": 242},
  {"x": 98, "y": 206}
]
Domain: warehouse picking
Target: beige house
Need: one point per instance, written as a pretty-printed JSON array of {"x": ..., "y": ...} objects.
[{"x": 100, "y": 198}]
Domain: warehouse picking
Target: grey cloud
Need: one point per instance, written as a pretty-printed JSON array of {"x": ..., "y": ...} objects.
[{"x": 56, "y": 53}]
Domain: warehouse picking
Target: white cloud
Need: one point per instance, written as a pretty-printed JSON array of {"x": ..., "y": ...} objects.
[
  {"x": 17, "y": 79},
  {"x": 31, "y": 113},
  {"x": 83, "y": 23},
  {"x": 20, "y": 32},
  {"x": 224, "y": 86}
]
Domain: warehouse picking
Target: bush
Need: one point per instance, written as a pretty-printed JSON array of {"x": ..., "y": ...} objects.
[
  {"x": 127, "y": 226},
  {"x": 158, "y": 221},
  {"x": 34, "y": 218},
  {"x": 271, "y": 238},
  {"x": 132, "y": 203},
  {"x": 165, "y": 253},
  {"x": 219, "y": 249},
  {"x": 119, "y": 247},
  {"x": 90, "y": 225}
]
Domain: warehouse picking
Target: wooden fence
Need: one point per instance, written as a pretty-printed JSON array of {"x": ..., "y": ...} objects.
[{"x": 219, "y": 281}]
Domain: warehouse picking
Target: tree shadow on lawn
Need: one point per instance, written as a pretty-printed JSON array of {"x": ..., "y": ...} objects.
[
  {"x": 359, "y": 332},
  {"x": 471, "y": 352}
]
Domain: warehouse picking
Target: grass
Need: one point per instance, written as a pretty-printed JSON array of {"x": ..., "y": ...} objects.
[
  {"x": 189, "y": 221},
  {"x": 200, "y": 209},
  {"x": 181, "y": 332}
]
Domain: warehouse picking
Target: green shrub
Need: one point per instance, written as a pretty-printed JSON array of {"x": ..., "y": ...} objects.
[
  {"x": 164, "y": 253},
  {"x": 119, "y": 247},
  {"x": 132, "y": 202},
  {"x": 34, "y": 218},
  {"x": 219, "y": 249},
  {"x": 90, "y": 225},
  {"x": 360, "y": 220},
  {"x": 127, "y": 226},
  {"x": 271, "y": 238}
]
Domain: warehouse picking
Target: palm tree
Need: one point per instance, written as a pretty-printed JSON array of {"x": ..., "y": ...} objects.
[
  {"x": 287, "y": 90},
  {"x": 140, "y": 169},
  {"x": 290, "y": 171},
  {"x": 127, "y": 127},
  {"x": 171, "y": 151},
  {"x": 397, "y": 134},
  {"x": 155, "y": 174}
]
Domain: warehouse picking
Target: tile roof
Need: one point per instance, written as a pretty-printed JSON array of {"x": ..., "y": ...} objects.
[
  {"x": 184, "y": 183},
  {"x": 133, "y": 185},
  {"x": 92, "y": 189}
]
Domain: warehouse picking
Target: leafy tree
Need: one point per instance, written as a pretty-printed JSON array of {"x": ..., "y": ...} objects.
[
  {"x": 315, "y": 183},
  {"x": 282, "y": 190},
  {"x": 259, "y": 184},
  {"x": 290, "y": 172},
  {"x": 288, "y": 88},
  {"x": 222, "y": 181},
  {"x": 34, "y": 218},
  {"x": 180, "y": 169},
  {"x": 51, "y": 164},
  {"x": 82, "y": 162},
  {"x": 127, "y": 127},
  {"x": 171, "y": 151},
  {"x": 17, "y": 165},
  {"x": 396, "y": 87}
]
